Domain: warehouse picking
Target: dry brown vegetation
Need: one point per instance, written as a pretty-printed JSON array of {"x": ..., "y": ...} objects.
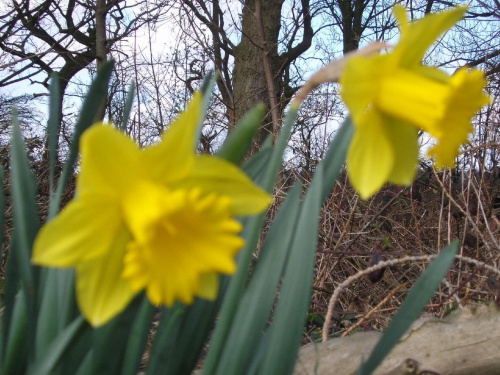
[{"x": 440, "y": 206}]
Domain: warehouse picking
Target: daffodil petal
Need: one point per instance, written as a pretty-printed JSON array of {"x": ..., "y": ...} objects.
[
  {"x": 419, "y": 35},
  {"x": 412, "y": 97},
  {"x": 404, "y": 140},
  {"x": 173, "y": 157},
  {"x": 360, "y": 83},
  {"x": 102, "y": 292},
  {"x": 110, "y": 161},
  {"x": 466, "y": 99},
  {"x": 213, "y": 175},
  {"x": 83, "y": 230},
  {"x": 399, "y": 13},
  {"x": 444, "y": 152},
  {"x": 209, "y": 286},
  {"x": 432, "y": 73},
  {"x": 370, "y": 158}
]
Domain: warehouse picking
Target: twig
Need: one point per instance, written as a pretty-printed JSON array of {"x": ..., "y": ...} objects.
[
  {"x": 466, "y": 214},
  {"x": 365, "y": 272},
  {"x": 378, "y": 266},
  {"x": 375, "y": 309},
  {"x": 344, "y": 231}
]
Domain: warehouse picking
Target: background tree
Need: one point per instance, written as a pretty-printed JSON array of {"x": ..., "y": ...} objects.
[
  {"x": 30, "y": 119},
  {"x": 43, "y": 37},
  {"x": 254, "y": 55}
]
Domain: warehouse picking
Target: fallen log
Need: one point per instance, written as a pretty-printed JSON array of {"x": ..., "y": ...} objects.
[{"x": 467, "y": 342}]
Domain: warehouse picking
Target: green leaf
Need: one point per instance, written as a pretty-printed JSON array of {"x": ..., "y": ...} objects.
[
  {"x": 238, "y": 141},
  {"x": 58, "y": 303},
  {"x": 186, "y": 343},
  {"x": 168, "y": 329},
  {"x": 255, "y": 306},
  {"x": 47, "y": 363},
  {"x": 53, "y": 125},
  {"x": 207, "y": 87},
  {"x": 12, "y": 278},
  {"x": 251, "y": 236},
  {"x": 2, "y": 214},
  {"x": 138, "y": 337},
  {"x": 1, "y": 340},
  {"x": 256, "y": 166},
  {"x": 97, "y": 93},
  {"x": 186, "y": 340},
  {"x": 57, "y": 307},
  {"x": 279, "y": 149},
  {"x": 128, "y": 107},
  {"x": 85, "y": 367},
  {"x": 336, "y": 155},
  {"x": 413, "y": 305},
  {"x": 73, "y": 360},
  {"x": 16, "y": 350},
  {"x": 109, "y": 342},
  {"x": 26, "y": 224},
  {"x": 282, "y": 345}
]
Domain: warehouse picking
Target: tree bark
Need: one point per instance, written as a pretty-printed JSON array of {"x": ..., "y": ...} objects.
[
  {"x": 260, "y": 74},
  {"x": 352, "y": 29},
  {"x": 100, "y": 45},
  {"x": 249, "y": 75}
]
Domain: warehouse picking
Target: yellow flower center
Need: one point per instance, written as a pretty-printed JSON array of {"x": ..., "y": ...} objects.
[{"x": 179, "y": 237}]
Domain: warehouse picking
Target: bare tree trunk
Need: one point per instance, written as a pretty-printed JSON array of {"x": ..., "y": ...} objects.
[
  {"x": 250, "y": 85},
  {"x": 352, "y": 29},
  {"x": 260, "y": 74},
  {"x": 101, "y": 47}
]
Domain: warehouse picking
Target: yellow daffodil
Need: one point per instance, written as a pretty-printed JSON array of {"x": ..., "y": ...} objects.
[
  {"x": 159, "y": 219},
  {"x": 392, "y": 96}
]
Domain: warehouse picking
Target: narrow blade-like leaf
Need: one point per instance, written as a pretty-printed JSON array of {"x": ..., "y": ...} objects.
[
  {"x": 16, "y": 357},
  {"x": 26, "y": 226},
  {"x": 336, "y": 155},
  {"x": 412, "y": 306},
  {"x": 283, "y": 343},
  {"x": 251, "y": 236},
  {"x": 255, "y": 306},
  {"x": 128, "y": 107},
  {"x": 53, "y": 126},
  {"x": 109, "y": 342},
  {"x": 2, "y": 215},
  {"x": 54, "y": 354},
  {"x": 138, "y": 337},
  {"x": 168, "y": 329},
  {"x": 238, "y": 142}
]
